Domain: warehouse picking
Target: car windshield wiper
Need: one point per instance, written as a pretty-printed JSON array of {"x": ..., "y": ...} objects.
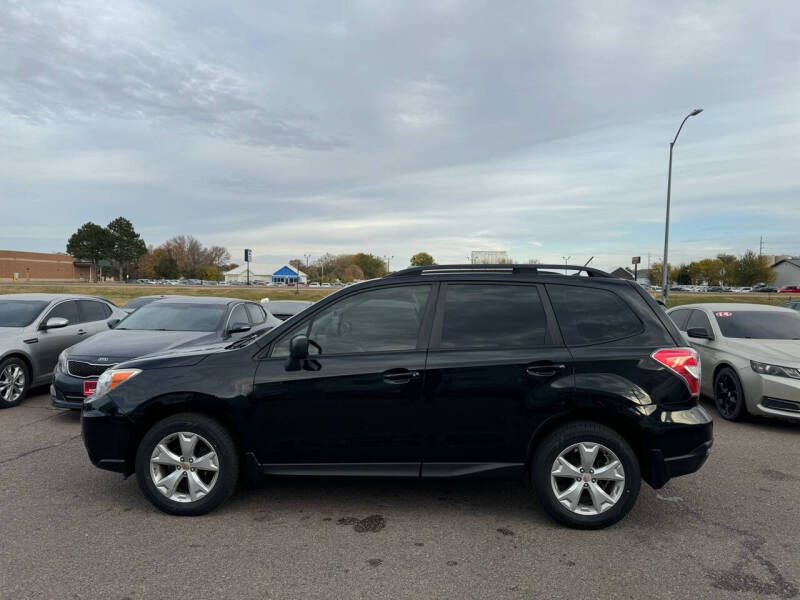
[{"x": 246, "y": 339}]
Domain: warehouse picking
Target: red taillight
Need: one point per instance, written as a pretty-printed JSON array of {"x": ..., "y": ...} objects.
[{"x": 683, "y": 362}]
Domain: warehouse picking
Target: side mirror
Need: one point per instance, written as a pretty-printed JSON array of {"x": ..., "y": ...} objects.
[
  {"x": 699, "y": 332},
  {"x": 239, "y": 327},
  {"x": 56, "y": 323},
  {"x": 113, "y": 323},
  {"x": 298, "y": 347}
]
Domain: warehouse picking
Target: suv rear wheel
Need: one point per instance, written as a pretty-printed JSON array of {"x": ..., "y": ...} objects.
[
  {"x": 187, "y": 464},
  {"x": 586, "y": 475}
]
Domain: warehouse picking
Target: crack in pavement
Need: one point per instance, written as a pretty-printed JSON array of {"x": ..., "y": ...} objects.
[
  {"x": 735, "y": 579},
  {"x": 39, "y": 449}
]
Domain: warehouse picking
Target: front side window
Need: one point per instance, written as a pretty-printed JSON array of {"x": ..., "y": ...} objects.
[
  {"x": 238, "y": 315},
  {"x": 699, "y": 319},
  {"x": 493, "y": 316},
  {"x": 257, "y": 315},
  {"x": 592, "y": 316},
  {"x": 19, "y": 313},
  {"x": 381, "y": 320},
  {"x": 66, "y": 310},
  {"x": 758, "y": 324}
]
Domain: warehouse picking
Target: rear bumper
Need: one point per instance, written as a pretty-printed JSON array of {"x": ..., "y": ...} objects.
[{"x": 679, "y": 445}]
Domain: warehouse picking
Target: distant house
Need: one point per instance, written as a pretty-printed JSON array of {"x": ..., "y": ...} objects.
[
  {"x": 273, "y": 273},
  {"x": 787, "y": 272}
]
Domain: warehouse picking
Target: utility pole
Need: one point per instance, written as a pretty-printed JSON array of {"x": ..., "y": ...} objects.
[
  {"x": 760, "y": 246},
  {"x": 388, "y": 260}
]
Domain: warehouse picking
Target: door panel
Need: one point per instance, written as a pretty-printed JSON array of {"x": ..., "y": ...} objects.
[
  {"x": 53, "y": 341},
  {"x": 483, "y": 405},
  {"x": 350, "y": 409}
]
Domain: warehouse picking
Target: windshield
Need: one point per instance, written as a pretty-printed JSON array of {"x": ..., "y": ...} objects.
[
  {"x": 759, "y": 324},
  {"x": 160, "y": 316},
  {"x": 19, "y": 313}
]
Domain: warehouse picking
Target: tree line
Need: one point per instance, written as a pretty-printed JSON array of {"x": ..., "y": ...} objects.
[
  {"x": 726, "y": 269},
  {"x": 129, "y": 257}
]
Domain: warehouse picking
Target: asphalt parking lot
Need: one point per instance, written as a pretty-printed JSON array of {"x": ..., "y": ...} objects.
[{"x": 68, "y": 530}]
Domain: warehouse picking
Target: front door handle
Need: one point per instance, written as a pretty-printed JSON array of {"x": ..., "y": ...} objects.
[
  {"x": 544, "y": 369},
  {"x": 400, "y": 376},
  {"x": 81, "y": 332}
]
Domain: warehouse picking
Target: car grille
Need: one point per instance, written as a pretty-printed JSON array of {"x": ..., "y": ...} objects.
[{"x": 84, "y": 369}]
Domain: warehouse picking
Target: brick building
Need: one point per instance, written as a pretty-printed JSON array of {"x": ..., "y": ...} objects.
[{"x": 41, "y": 266}]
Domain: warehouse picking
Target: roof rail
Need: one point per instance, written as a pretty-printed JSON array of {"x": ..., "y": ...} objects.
[{"x": 534, "y": 269}]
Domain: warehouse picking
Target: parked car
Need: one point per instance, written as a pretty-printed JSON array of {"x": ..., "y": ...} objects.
[
  {"x": 582, "y": 385},
  {"x": 789, "y": 289},
  {"x": 136, "y": 303},
  {"x": 285, "y": 309},
  {"x": 765, "y": 289},
  {"x": 171, "y": 322},
  {"x": 35, "y": 328},
  {"x": 751, "y": 355}
]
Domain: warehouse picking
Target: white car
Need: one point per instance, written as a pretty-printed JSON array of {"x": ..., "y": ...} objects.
[{"x": 750, "y": 356}]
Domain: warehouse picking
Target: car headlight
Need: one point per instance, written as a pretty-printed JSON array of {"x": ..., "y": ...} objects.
[
  {"x": 62, "y": 362},
  {"x": 112, "y": 378},
  {"x": 765, "y": 369}
]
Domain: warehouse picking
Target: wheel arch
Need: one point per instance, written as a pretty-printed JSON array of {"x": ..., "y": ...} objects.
[
  {"x": 25, "y": 359},
  {"x": 626, "y": 427},
  {"x": 161, "y": 407}
]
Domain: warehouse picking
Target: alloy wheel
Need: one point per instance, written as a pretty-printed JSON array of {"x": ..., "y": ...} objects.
[
  {"x": 726, "y": 395},
  {"x": 184, "y": 466},
  {"x": 587, "y": 478},
  {"x": 12, "y": 383}
]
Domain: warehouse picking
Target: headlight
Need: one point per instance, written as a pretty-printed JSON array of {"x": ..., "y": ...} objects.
[
  {"x": 111, "y": 379},
  {"x": 765, "y": 369},
  {"x": 62, "y": 362}
]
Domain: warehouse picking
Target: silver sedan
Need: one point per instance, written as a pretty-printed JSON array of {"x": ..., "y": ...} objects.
[
  {"x": 750, "y": 356},
  {"x": 35, "y": 328}
]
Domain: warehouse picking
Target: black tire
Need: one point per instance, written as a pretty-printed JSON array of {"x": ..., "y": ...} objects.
[
  {"x": 220, "y": 441},
  {"x": 729, "y": 395},
  {"x": 565, "y": 437},
  {"x": 11, "y": 363}
]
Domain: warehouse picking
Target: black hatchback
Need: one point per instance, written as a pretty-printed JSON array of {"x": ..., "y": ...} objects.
[{"x": 581, "y": 385}]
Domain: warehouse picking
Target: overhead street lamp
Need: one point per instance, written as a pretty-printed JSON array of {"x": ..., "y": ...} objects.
[
  {"x": 566, "y": 260},
  {"x": 665, "y": 262}
]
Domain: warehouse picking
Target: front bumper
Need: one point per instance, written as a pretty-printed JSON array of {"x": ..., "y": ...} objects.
[
  {"x": 772, "y": 396},
  {"x": 66, "y": 391},
  {"x": 108, "y": 438},
  {"x": 678, "y": 444}
]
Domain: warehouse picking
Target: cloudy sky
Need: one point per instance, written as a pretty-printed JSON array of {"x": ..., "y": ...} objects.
[{"x": 394, "y": 127}]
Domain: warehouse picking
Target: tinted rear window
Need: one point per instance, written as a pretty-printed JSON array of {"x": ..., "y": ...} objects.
[
  {"x": 592, "y": 316},
  {"x": 493, "y": 316},
  {"x": 759, "y": 324},
  {"x": 175, "y": 317},
  {"x": 19, "y": 313},
  {"x": 139, "y": 302},
  {"x": 679, "y": 317}
]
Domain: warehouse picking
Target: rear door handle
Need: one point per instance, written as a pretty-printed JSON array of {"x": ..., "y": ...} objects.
[
  {"x": 400, "y": 376},
  {"x": 544, "y": 369}
]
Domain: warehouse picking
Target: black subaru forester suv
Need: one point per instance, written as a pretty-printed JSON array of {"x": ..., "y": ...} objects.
[{"x": 579, "y": 383}]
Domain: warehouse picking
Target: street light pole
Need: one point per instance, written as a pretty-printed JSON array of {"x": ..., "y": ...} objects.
[
  {"x": 566, "y": 260},
  {"x": 665, "y": 263}
]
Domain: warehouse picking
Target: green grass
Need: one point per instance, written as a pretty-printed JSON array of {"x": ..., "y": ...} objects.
[{"x": 120, "y": 294}]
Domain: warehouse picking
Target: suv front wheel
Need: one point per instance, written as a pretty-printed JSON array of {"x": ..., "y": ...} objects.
[
  {"x": 187, "y": 464},
  {"x": 586, "y": 475}
]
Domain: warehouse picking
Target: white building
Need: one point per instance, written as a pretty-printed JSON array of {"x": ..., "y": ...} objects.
[
  {"x": 787, "y": 272},
  {"x": 269, "y": 273}
]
